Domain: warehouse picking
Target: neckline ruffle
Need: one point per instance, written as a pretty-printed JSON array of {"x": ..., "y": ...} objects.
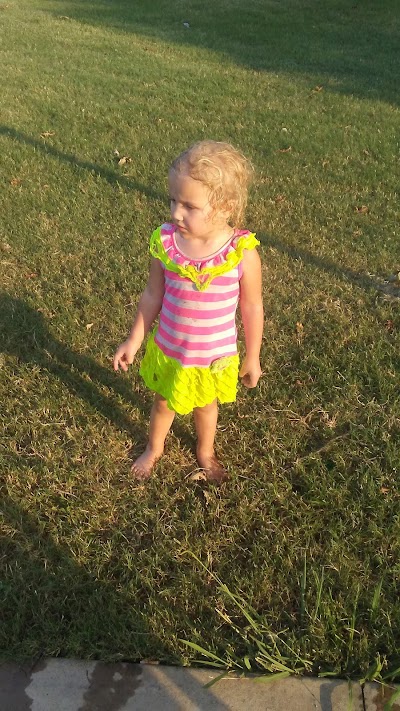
[
  {"x": 200, "y": 272},
  {"x": 218, "y": 258}
]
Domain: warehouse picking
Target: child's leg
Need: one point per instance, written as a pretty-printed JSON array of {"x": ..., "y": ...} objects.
[
  {"x": 205, "y": 420},
  {"x": 161, "y": 419}
]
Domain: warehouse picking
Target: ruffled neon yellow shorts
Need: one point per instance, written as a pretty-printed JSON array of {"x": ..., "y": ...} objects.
[{"x": 187, "y": 388}]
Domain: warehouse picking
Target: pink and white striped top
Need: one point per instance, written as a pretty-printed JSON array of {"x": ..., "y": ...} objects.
[{"x": 197, "y": 327}]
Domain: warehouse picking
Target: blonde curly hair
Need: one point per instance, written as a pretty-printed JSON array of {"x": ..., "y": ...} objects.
[{"x": 224, "y": 170}]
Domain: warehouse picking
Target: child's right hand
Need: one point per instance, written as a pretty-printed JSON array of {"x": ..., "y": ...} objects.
[{"x": 125, "y": 354}]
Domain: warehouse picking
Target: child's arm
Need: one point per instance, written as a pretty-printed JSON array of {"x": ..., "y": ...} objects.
[
  {"x": 251, "y": 308},
  {"x": 147, "y": 311}
]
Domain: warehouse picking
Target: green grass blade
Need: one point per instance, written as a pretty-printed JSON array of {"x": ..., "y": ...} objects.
[
  {"x": 295, "y": 655},
  {"x": 322, "y": 675},
  {"x": 376, "y": 596},
  {"x": 272, "y": 664},
  {"x": 214, "y": 681},
  {"x": 241, "y": 605},
  {"x": 374, "y": 671},
  {"x": 319, "y": 594},
  {"x": 389, "y": 704},
  {"x": 352, "y": 627},
  {"x": 303, "y": 585},
  {"x": 350, "y": 696},
  {"x": 273, "y": 677},
  {"x": 392, "y": 675},
  {"x": 215, "y": 665},
  {"x": 203, "y": 651}
]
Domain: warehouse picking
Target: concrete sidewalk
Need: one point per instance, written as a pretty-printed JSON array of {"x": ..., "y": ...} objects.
[{"x": 69, "y": 685}]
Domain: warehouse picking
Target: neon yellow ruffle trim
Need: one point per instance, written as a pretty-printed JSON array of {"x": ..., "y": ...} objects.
[
  {"x": 187, "y": 388},
  {"x": 202, "y": 277}
]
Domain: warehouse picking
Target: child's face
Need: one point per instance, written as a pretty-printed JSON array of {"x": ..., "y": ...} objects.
[{"x": 190, "y": 207}]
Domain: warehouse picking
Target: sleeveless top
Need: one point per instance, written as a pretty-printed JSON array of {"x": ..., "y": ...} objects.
[{"x": 197, "y": 319}]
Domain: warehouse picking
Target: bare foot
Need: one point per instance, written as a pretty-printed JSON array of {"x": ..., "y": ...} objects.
[
  {"x": 213, "y": 469},
  {"x": 143, "y": 466}
]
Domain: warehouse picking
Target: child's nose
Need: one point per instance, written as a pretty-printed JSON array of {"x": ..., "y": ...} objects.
[{"x": 176, "y": 212}]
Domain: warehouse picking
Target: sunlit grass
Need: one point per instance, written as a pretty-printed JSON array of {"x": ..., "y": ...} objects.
[{"x": 307, "y": 531}]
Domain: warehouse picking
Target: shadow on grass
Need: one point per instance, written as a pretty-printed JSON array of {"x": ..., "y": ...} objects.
[
  {"x": 24, "y": 334},
  {"x": 51, "y": 605},
  {"x": 363, "y": 281},
  {"x": 352, "y": 45},
  {"x": 109, "y": 175}
]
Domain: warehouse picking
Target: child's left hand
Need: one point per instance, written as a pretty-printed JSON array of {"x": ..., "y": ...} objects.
[{"x": 250, "y": 372}]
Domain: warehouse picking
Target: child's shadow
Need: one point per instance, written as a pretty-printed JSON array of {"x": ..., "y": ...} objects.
[{"x": 25, "y": 335}]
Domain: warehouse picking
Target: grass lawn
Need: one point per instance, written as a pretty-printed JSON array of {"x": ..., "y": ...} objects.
[{"x": 308, "y": 529}]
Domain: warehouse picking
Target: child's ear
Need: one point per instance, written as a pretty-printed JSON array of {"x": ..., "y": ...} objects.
[
  {"x": 218, "y": 215},
  {"x": 227, "y": 210}
]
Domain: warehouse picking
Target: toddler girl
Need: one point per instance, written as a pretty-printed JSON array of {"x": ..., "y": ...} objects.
[{"x": 202, "y": 267}]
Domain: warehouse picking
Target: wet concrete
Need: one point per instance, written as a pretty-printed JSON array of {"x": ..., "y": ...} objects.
[
  {"x": 111, "y": 687},
  {"x": 13, "y": 683},
  {"x": 71, "y": 685}
]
